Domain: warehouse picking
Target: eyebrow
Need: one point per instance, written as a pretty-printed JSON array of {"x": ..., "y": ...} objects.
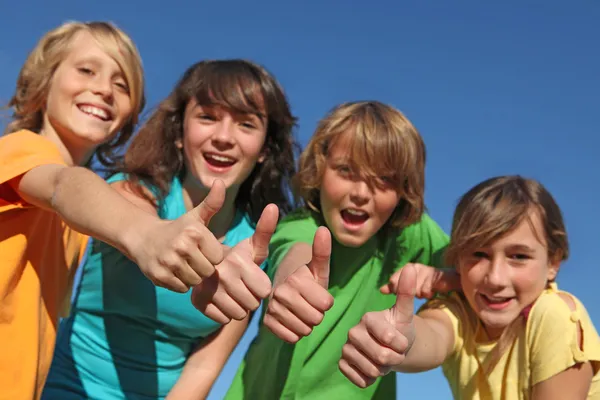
[
  {"x": 521, "y": 247},
  {"x": 98, "y": 63}
]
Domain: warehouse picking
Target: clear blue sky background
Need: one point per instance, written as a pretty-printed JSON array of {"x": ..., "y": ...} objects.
[{"x": 495, "y": 87}]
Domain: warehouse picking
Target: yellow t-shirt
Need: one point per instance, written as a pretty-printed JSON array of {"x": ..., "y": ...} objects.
[
  {"x": 547, "y": 346},
  {"x": 38, "y": 255}
]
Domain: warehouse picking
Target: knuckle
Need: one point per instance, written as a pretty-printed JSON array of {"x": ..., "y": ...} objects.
[
  {"x": 354, "y": 334},
  {"x": 282, "y": 292},
  {"x": 387, "y": 337},
  {"x": 294, "y": 280},
  {"x": 383, "y": 357},
  {"x": 368, "y": 318}
]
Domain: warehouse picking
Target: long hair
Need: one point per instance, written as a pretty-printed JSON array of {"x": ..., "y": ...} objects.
[
  {"x": 33, "y": 83},
  {"x": 382, "y": 142},
  {"x": 237, "y": 85}
]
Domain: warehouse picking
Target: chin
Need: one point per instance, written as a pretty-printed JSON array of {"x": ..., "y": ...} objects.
[{"x": 349, "y": 240}]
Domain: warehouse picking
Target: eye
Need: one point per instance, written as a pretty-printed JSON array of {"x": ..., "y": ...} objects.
[
  {"x": 248, "y": 125},
  {"x": 123, "y": 86},
  {"x": 480, "y": 254},
  {"x": 205, "y": 117},
  {"x": 85, "y": 71},
  {"x": 520, "y": 257}
]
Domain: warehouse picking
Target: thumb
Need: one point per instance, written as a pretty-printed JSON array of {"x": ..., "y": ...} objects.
[
  {"x": 262, "y": 234},
  {"x": 321, "y": 254},
  {"x": 211, "y": 204},
  {"x": 403, "y": 310}
]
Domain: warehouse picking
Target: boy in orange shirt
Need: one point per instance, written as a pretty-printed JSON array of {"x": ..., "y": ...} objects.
[{"x": 79, "y": 92}]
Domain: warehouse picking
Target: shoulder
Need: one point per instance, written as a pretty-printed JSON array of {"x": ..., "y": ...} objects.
[
  {"x": 553, "y": 307},
  {"x": 299, "y": 223},
  {"x": 559, "y": 334},
  {"x": 424, "y": 242},
  {"x": 24, "y": 150},
  {"x": 424, "y": 227}
]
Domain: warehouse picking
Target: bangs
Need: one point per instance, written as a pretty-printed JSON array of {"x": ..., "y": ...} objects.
[
  {"x": 374, "y": 149},
  {"x": 234, "y": 87},
  {"x": 487, "y": 221},
  {"x": 487, "y": 227},
  {"x": 120, "y": 51}
]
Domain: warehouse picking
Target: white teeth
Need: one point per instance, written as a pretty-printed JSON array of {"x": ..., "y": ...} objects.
[
  {"x": 98, "y": 112},
  {"x": 496, "y": 299},
  {"x": 220, "y": 158},
  {"x": 358, "y": 213}
]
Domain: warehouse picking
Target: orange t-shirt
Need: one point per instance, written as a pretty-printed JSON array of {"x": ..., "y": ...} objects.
[{"x": 38, "y": 256}]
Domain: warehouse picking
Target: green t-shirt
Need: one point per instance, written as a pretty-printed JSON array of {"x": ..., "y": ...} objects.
[{"x": 273, "y": 369}]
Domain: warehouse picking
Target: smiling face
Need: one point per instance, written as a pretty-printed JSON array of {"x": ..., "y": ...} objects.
[
  {"x": 354, "y": 208},
  {"x": 88, "y": 100},
  {"x": 501, "y": 279},
  {"x": 219, "y": 143}
]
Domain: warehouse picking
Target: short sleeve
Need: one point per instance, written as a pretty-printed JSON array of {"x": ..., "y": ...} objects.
[
  {"x": 552, "y": 337},
  {"x": 299, "y": 226},
  {"x": 428, "y": 240},
  {"x": 21, "y": 152},
  {"x": 451, "y": 305}
]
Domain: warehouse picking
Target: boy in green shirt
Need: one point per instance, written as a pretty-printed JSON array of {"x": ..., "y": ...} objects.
[{"x": 362, "y": 178}]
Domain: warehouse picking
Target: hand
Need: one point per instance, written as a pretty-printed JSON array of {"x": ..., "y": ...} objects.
[
  {"x": 239, "y": 284},
  {"x": 179, "y": 254},
  {"x": 299, "y": 303},
  {"x": 382, "y": 339},
  {"x": 430, "y": 280}
]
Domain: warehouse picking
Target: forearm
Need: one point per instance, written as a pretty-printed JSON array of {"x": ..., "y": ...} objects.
[
  {"x": 206, "y": 363},
  {"x": 299, "y": 255},
  {"x": 88, "y": 204},
  {"x": 430, "y": 348}
]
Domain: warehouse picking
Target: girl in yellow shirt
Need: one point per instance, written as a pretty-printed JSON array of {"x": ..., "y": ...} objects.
[{"x": 511, "y": 334}]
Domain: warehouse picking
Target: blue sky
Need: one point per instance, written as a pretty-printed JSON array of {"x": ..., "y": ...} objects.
[{"x": 494, "y": 88}]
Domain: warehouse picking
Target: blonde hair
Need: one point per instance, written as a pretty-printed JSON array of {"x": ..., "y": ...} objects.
[
  {"x": 35, "y": 77},
  {"x": 382, "y": 142},
  {"x": 494, "y": 208}
]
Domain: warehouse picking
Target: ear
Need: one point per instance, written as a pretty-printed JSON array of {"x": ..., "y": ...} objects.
[
  {"x": 179, "y": 144},
  {"x": 553, "y": 266},
  {"x": 262, "y": 156}
]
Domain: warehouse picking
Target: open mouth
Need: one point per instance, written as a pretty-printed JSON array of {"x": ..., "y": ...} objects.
[
  {"x": 354, "y": 217},
  {"x": 96, "y": 112},
  {"x": 219, "y": 161},
  {"x": 495, "y": 302}
]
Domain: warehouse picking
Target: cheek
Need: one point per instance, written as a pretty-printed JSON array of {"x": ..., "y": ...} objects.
[
  {"x": 252, "y": 146},
  {"x": 125, "y": 108},
  {"x": 530, "y": 280},
  {"x": 332, "y": 190},
  {"x": 385, "y": 203}
]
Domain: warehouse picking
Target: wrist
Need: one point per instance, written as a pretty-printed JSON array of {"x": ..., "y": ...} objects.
[{"x": 132, "y": 236}]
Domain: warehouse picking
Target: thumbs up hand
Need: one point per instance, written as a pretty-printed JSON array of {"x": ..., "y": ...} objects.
[
  {"x": 239, "y": 284},
  {"x": 430, "y": 280},
  {"x": 299, "y": 303},
  {"x": 179, "y": 254},
  {"x": 382, "y": 339}
]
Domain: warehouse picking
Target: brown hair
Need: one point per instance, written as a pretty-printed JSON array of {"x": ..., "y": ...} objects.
[
  {"x": 34, "y": 79},
  {"x": 494, "y": 208},
  {"x": 382, "y": 142},
  {"x": 498, "y": 205},
  {"x": 237, "y": 85}
]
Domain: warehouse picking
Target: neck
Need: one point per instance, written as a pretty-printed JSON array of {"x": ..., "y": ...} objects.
[
  {"x": 72, "y": 154},
  {"x": 194, "y": 193}
]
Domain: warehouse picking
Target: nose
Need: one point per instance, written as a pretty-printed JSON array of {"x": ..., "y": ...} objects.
[
  {"x": 498, "y": 273},
  {"x": 360, "y": 192},
  {"x": 102, "y": 86},
  {"x": 223, "y": 134}
]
